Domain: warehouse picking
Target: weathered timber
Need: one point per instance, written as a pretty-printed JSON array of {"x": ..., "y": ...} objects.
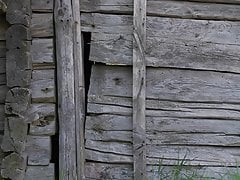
[
  {"x": 17, "y": 102},
  {"x": 139, "y": 89},
  {"x": 19, "y": 13},
  {"x": 42, "y": 5},
  {"x": 174, "y": 84},
  {"x": 42, "y": 51},
  {"x": 222, "y": 32},
  {"x": 164, "y": 52},
  {"x": 96, "y": 171},
  {"x": 42, "y": 25},
  {"x": 15, "y": 135},
  {"x": 2, "y": 50},
  {"x": 16, "y": 170},
  {"x": 79, "y": 89},
  {"x": 108, "y": 171},
  {"x": 38, "y": 149},
  {"x": 3, "y": 27},
  {"x": 40, "y": 172},
  {"x": 115, "y": 152},
  {"x": 66, "y": 39},
  {"x": 166, "y": 8},
  {"x": 43, "y": 119},
  {"x": 103, "y": 123},
  {"x": 43, "y": 86},
  {"x": 3, "y": 79}
]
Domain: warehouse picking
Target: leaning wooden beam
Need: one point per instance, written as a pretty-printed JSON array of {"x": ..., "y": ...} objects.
[
  {"x": 68, "y": 39},
  {"x": 139, "y": 89}
]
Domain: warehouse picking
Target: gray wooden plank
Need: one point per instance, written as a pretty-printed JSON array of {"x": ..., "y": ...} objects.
[
  {"x": 40, "y": 172},
  {"x": 65, "y": 49},
  {"x": 114, "y": 152},
  {"x": 38, "y": 149},
  {"x": 42, "y": 5},
  {"x": 168, "y": 84},
  {"x": 139, "y": 89},
  {"x": 43, "y": 86},
  {"x": 42, "y": 25},
  {"x": 181, "y": 9},
  {"x": 166, "y": 52},
  {"x": 221, "y": 32},
  {"x": 42, "y": 51}
]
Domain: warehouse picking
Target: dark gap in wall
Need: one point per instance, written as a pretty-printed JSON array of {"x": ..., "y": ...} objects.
[
  {"x": 87, "y": 63},
  {"x": 55, "y": 153}
]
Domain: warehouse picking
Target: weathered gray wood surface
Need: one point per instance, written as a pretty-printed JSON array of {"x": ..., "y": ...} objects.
[
  {"x": 43, "y": 86},
  {"x": 182, "y": 46},
  {"x": 43, "y": 119},
  {"x": 174, "y": 84},
  {"x": 40, "y": 172},
  {"x": 2, "y": 49},
  {"x": 3, "y": 27},
  {"x": 42, "y": 5},
  {"x": 42, "y": 52},
  {"x": 139, "y": 89},
  {"x": 42, "y": 25},
  {"x": 38, "y": 149},
  {"x": 66, "y": 42},
  {"x": 124, "y": 171},
  {"x": 166, "y": 8}
]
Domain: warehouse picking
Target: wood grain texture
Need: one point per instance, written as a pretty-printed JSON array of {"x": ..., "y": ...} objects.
[
  {"x": 166, "y": 8},
  {"x": 42, "y": 5},
  {"x": 2, "y": 49},
  {"x": 139, "y": 90},
  {"x": 42, "y": 25},
  {"x": 4, "y": 26},
  {"x": 42, "y": 51},
  {"x": 43, "y": 86},
  {"x": 174, "y": 84},
  {"x": 3, "y": 93},
  {"x": 96, "y": 170},
  {"x": 38, "y": 149},
  {"x": 40, "y": 172}
]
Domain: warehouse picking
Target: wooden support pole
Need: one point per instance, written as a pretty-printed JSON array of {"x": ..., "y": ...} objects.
[
  {"x": 139, "y": 89},
  {"x": 70, "y": 89}
]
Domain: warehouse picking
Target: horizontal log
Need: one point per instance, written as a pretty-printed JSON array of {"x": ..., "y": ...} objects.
[
  {"x": 42, "y": 25},
  {"x": 43, "y": 119},
  {"x": 221, "y": 32},
  {"x": 40, "y": 172},
  {"x": 3, "y": 27},
  {"x": 42, "y": 5},
  {"x": 155, "y": 125},
  {"x": 96, "y": 171},
  {"x": 42, "y": 51},
  {"x": 43, "y": 86},
  {"x": 166, "y": 52},
  {"x": 2, "y": 66},
  {"x": 2, "y": 49},
  {"x": 167, "y": 84},
  {"x": 38, "y": 149},
  {"x": 113, "y": 152},
  {"x": 181, "y": 9}
]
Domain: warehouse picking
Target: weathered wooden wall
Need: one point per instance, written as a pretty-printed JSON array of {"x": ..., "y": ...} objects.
[
  {"x": 34, "y": 70},
  {"x": 192, "y": 90}
]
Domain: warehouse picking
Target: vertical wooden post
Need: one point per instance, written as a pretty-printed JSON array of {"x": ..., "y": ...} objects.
[
  {"x": 139, "y": 89},
  {"x": 70, "y": 89}
]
